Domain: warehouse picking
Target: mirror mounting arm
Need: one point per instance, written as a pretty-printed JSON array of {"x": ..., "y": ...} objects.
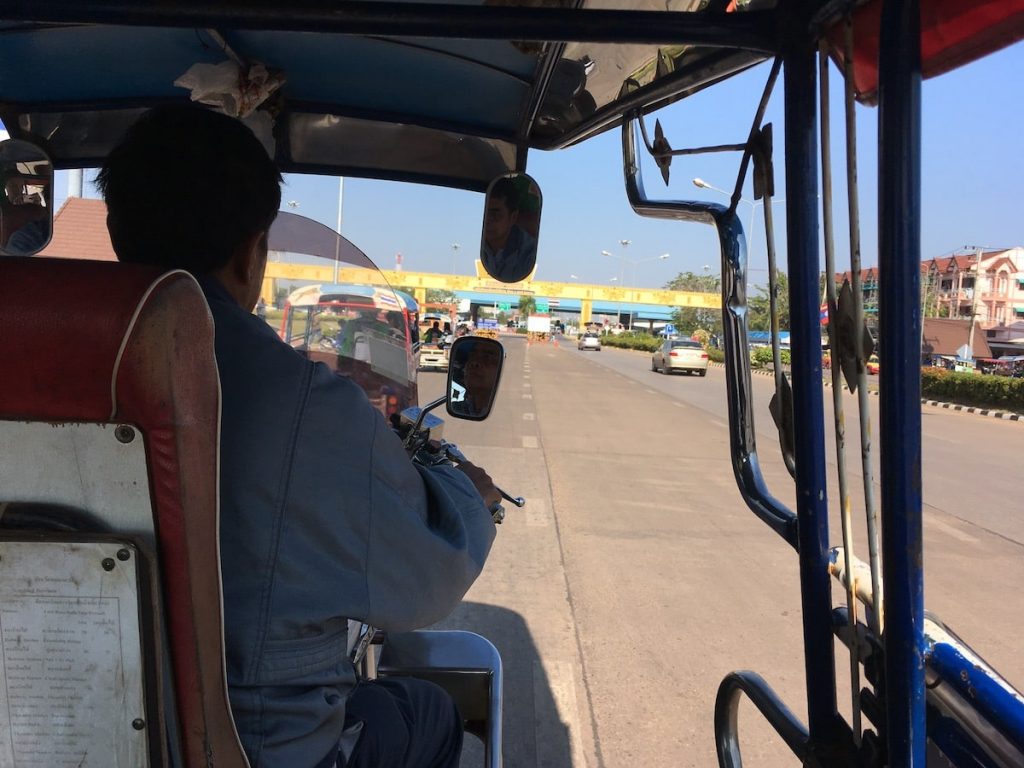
[{"x": 422, "y": 415}]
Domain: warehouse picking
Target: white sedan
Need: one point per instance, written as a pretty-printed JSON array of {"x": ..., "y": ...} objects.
[{"x": 680, "y": 355}]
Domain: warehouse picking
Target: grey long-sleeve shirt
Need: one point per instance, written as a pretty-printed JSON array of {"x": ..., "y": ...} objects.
[{"x": 323, "y": 519}]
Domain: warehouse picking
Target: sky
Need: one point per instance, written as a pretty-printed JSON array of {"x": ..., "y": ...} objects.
[{"x": 972, "y": 177}]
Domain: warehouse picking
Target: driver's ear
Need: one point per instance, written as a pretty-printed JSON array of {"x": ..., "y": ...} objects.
[{"x": 250, "y": 260}]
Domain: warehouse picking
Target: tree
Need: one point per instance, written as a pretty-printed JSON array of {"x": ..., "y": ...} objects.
[
  {"x": 759, "y": 314},
  {"x": 689, "y": 319},
  {"x": 527, "y": 305},
  {"x": 441, "y": 296}
]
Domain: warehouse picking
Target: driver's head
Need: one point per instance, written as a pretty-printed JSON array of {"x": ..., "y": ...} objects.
[
  {"x": 502, "y": 212},
  {"x": 188, "y": 188},
  {"x": 15, "y": 190},
  {"x": 481, "y": 365}
]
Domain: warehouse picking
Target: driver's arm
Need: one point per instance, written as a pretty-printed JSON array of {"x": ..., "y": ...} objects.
[{"x": 417, "y": 536}]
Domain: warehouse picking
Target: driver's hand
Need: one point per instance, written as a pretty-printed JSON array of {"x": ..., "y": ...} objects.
[{"x": 483, "y": 483}]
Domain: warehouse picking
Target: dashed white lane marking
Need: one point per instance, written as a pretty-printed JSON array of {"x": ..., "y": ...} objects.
[
  {"x": 536, "y": 513},
  {"x": 527, "y": 396},
  {"x": 527, "y": 385},
  {"x": 678, "y": 405},
  {"x": 719, "y": 424},
  {"x": 649, "y": 391},
  {"x": 557, "y": 679},
  {"x": 529, "y": 441},
  {"x": 529, "y": 417}
]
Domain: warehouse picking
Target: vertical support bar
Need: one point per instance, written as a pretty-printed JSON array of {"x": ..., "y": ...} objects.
[
  {"x": 808, "y": 414},
  {"x": 899, "y": 250}
]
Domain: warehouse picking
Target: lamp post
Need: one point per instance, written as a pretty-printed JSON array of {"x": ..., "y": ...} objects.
[
  {"x": 699, "y": 182},
  {"x": 455, "y": 254},
  {"x": 632, "y": 263},
  {"x": 337, "y": 242}
]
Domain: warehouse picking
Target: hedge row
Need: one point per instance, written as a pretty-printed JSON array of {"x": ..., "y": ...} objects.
[
  {"x": 973, "y": 389},
  {"x": 761, "y": 357},
  {"x": 642, "y": 341}
]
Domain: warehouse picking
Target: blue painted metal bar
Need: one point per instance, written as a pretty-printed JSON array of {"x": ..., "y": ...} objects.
[
  {"x": 1001, "y": 706},
  {"x": 800, "y": 69},
  {"x": 899, "y": 250},
  {"x": 949, "y": 736}
]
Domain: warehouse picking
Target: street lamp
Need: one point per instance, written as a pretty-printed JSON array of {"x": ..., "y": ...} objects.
[
  {"x": 633, "y": 263},
  {"x": 455, "y": 254},
  {"x": 699, "y": 182},
  {"x": 341, "y": 210}
]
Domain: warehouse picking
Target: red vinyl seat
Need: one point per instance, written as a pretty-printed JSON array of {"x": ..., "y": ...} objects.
[{"x": 130, "y": 347}]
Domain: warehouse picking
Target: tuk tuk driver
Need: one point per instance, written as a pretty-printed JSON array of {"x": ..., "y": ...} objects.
[{"x": 323, "y": 516}]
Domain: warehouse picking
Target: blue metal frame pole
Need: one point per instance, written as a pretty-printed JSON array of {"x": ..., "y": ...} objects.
[
  {"x": 800, "y": 68},
  {"x": 899, "y": 249}
]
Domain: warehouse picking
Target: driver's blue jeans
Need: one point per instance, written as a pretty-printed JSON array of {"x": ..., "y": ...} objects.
[{"x": 407, "y": 723}]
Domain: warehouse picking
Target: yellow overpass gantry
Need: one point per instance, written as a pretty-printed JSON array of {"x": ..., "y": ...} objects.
[{"x": 418, "y": 283}]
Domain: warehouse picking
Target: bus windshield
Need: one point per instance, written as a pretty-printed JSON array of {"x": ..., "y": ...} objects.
[{"x": 364, "y": 330}]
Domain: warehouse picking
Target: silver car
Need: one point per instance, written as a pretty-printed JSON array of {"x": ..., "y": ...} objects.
[
  {"x": 680, "y": 355},
  {"x": 589, "y": 341}
]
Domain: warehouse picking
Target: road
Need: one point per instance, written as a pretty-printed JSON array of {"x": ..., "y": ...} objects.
[{"x": 636, "y": 578}]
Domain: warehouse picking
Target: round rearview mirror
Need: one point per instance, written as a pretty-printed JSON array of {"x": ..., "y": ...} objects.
[
  {"x": 26, "y": 198},
  {"x": 508, "y": 245},
  {"x": 474, "y": 370}
]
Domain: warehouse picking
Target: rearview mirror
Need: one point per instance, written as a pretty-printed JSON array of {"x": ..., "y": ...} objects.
[
  {"x": 474, "y": 370},
  {"x": 508, "y": 244},
  {"x": 26, "y": 198}
]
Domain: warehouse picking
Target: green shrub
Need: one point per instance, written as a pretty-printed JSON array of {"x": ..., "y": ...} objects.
[
  {"x": 716, "y": 355},
  {"x": 761, "y": 356},
  {"x": 973, "y": 389},
  {"x": 641, "y": 341}
]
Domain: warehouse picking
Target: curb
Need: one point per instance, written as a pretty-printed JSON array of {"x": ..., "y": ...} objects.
[
  {"x": 1005, "y": 415},
  {"x": 976, "y": 410}
]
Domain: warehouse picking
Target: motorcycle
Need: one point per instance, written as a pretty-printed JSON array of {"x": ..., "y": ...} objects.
[{"x": 465, "y": 664}]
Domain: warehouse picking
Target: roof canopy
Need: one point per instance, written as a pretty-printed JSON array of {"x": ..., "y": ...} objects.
[{"x": 446, "y": 94}]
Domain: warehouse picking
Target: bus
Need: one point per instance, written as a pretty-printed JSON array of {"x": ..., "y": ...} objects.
[{"x": 364, "y": 332}]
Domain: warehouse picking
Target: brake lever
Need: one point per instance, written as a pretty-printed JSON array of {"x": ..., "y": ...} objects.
[{"x": 454, "y": 454}]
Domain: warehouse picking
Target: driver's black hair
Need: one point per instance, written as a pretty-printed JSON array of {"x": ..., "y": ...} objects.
[
  {"x": 505, "y": 189},
  {"x": 185, "y": 187}
]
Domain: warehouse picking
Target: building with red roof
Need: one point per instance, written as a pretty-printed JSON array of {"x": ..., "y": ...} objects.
[{"x": 80, "y": 231}]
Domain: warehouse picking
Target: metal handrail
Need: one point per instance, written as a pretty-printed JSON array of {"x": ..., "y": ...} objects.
[{"x": 778, "y": 715}]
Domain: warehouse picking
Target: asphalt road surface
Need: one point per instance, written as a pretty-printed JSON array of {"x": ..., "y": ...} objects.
[{"x": 636, "y": 578}]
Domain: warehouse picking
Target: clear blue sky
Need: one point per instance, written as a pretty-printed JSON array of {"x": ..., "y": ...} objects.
[{"x": 972, "y": 163}]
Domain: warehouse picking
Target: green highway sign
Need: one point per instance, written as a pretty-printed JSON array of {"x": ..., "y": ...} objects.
[
  {"x": 504, "y": 306},
  {"x": 542, "y": 305}
]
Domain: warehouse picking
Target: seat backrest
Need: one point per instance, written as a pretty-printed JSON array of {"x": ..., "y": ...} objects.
[{"x": 109, "y": 422}]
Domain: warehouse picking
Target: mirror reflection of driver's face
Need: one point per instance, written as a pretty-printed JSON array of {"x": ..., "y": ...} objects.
[
  {"x": 481, "y": 367},
  {"x": 15, "y": 190},
  {"x": 498, "y": 222}
]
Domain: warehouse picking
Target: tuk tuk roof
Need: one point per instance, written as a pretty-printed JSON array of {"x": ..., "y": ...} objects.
[
  {"x": 443, "y": 94},
  {"x": 367, "y": 295}
]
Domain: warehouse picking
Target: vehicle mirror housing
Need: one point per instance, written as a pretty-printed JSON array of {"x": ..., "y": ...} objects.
[
  {"x": 508, "y": 242},
  {"x": 26, "y": 198},
  {"x": 474, "y": 370}
]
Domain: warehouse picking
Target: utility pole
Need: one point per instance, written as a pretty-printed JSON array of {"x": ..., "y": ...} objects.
[{"x": 974, "y": 298}]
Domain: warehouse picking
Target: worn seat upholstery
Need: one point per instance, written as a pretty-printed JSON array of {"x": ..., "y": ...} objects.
[{"x": 116, "y": 344}]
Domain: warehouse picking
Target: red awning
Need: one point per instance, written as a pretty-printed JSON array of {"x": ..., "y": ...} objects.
[{"x": 953, "y": 33}]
